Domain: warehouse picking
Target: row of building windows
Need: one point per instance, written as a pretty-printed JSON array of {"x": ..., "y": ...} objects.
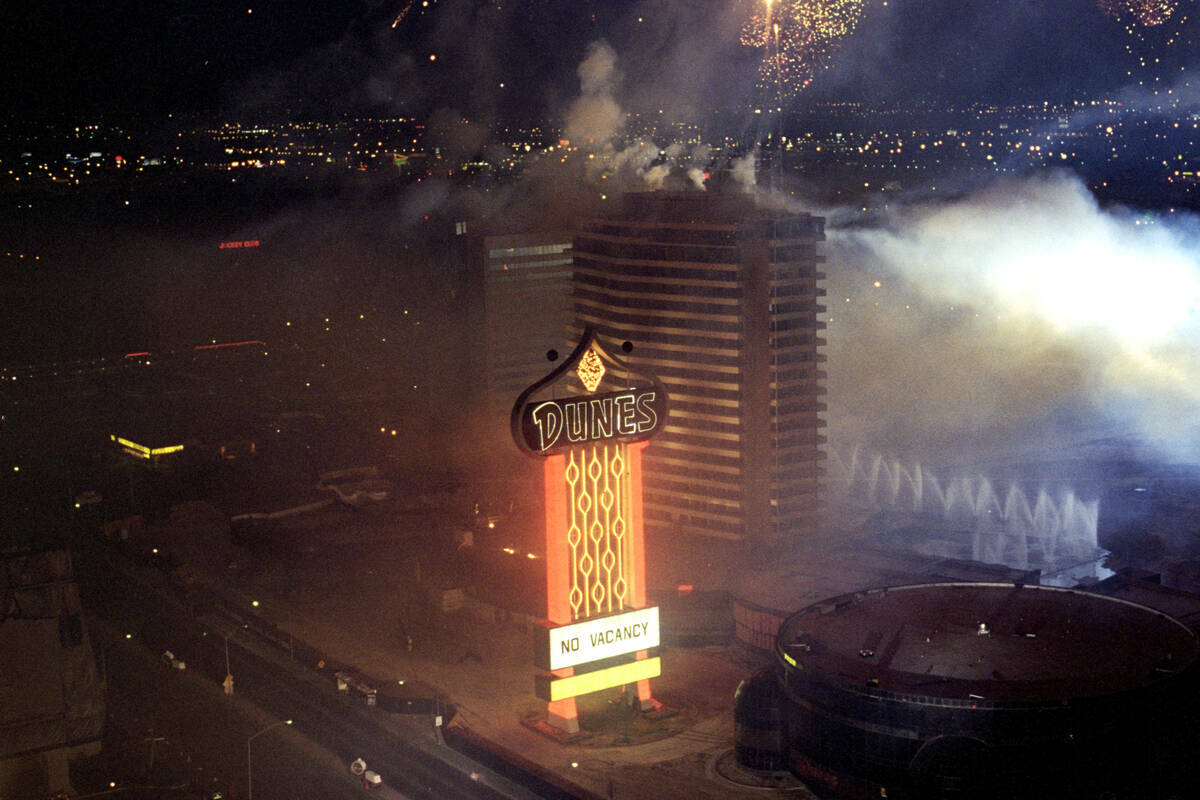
[
  {"x": 660, "y": 336},
  {"x": 799, "y": 441},
  {"x": 722, "y": 237},
  {"x": 683, "y": 373},
  {"x": 799, "y": 341},
  {"x": 653, "y": 303},
  {"x": 525, "y": 270},
  {"x": 586, "y": 264},
  {"x": 690, "y": 495},
  {"x": 679, "y": 322},
  {"x": 807, "y": 405},
  {"x": 790, "y": 323},
  {"x": 690, "y": 504},
  {"x": 790, "y": 307},
  {"x": 532, "y": 250},
  {"x": 797, "y": 357},
  {"x": 685, "y": 253},
  {"x": 704, "y": 442},
  {"x": 664, "y": 447},
  {"x": 809, "y": 301},
  {"x": 666, "y": 520},
  {"x": 703, "y": 449},
  {"x": 710, "y": 420},
  {"x": 728, "y": 410},
  {"x": 801, "y": 227},
  {"x": 655, "y": 353},
  {"x": 665, "y": 465},
  {"x": 628, "y": 284},
  {"x": 805, "y": 388},
  {"x": 806, "y": 253},
  {"x": 792, "y": 340},
  {"x": 697, "y": 390},
  {"x": 612, "y": 336},
  {"x": 807, "y": 474}
]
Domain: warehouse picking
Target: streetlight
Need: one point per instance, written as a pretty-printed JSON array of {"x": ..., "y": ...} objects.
[{"x": 249, "y": 772}]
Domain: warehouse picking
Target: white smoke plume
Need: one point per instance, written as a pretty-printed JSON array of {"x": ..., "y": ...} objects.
[
  {"x": 1021, "y": 311},
  {"x": 1181, "y": 95},
  {"x": 594, "y": 119},
  {"x": 743, "y": 172},
  {"x": 655, "y": 176},
  {"x": 595, "y": 123}
]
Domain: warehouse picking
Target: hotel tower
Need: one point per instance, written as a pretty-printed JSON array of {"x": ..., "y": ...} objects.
[{"x": 720, "y": 299}]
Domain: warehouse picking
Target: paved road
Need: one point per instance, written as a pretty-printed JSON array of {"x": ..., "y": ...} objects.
[
  {"x": 403, "y": 751},
  {"x": 189, "y": 714}
]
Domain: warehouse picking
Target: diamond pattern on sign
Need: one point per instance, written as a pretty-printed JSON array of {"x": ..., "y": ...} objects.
[{"x": 598, "y": 521}]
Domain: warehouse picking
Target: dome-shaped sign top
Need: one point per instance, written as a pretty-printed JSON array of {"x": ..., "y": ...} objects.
[{"x": 591, "y": 397}]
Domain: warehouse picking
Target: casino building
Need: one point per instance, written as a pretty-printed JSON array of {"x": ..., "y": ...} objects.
[
  {"x": 979, "y": 690},
  {"x": 721, "y": 298}
]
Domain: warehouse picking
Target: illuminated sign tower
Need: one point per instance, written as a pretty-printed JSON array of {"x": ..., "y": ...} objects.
[{"x": 590, "y": 420}]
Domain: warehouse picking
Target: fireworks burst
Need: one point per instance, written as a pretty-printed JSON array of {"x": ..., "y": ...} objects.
[
  {"x": 798, "y": 38},
  {"x": 408, "y": 7},
  {"x": 1144, "y": 12},
  {"x": 1151, "y": 26}
]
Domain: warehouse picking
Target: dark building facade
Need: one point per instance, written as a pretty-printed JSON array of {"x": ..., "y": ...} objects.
[
  {"x": 51, "y": 694},
  {"x": 980, "y": 690},
  {"x": 527, "y": 310},
  {"x": 720, "y": 298}
]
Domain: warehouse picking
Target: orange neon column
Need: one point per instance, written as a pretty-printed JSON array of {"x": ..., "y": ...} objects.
[
  {"x": 562, "y": 714},
  {"x": 637, "y": 555},
  {"x": 558, "y": 557},
  {"x": 637, "y": 528}
]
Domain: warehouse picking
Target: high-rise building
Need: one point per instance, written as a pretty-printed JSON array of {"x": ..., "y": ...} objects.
[
  {"x": 527, "y": 310},
  {"x": 721, "y": 299}
]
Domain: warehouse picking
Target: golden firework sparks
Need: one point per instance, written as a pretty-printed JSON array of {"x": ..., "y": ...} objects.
[
  {"x": 798, "y": 38},
  {"x": 1145, "y": 12}
]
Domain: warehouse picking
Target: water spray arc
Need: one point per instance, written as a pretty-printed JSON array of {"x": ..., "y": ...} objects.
[{"x": 1024, "y": 530}]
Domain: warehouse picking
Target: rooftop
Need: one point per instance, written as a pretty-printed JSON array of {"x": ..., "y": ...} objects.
[{"x": 1001, "y": 642}]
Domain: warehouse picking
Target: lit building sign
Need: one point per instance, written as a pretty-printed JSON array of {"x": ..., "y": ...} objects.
[
  {"x": 554, "y": 689},
  {"x": 589, "y": 421},
  {"x": 141, "y": 450},
  {"x": 555, "y": 425},
  {"x": 218, "y": 346},
  {"x": 625, "y": 414},
  {"x": 239, "y": 245},
  {"x": 596, "y": 638}
]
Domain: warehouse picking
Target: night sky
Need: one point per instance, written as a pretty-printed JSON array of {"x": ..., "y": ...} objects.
[
  {"x": 1068, "y": 346},
  {"x": 137, "y": 58}
]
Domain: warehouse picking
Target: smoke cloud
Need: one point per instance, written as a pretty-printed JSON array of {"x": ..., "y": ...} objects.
[
  {"x": 1015, "y": 316},
  {"x": 594, "y": 118}
]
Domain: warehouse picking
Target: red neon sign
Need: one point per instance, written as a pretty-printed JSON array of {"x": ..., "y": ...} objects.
[
  {"x": 228, "y": 344},
  {"x": 239, "y": 245}
]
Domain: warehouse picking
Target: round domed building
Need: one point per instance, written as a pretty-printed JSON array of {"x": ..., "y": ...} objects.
[{"x": 973, "y": 690}]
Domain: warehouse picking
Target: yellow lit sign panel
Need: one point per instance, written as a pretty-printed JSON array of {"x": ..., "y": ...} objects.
[
  {"x": 141, "y": 450},
  {"x": 551, "y": 688}
]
